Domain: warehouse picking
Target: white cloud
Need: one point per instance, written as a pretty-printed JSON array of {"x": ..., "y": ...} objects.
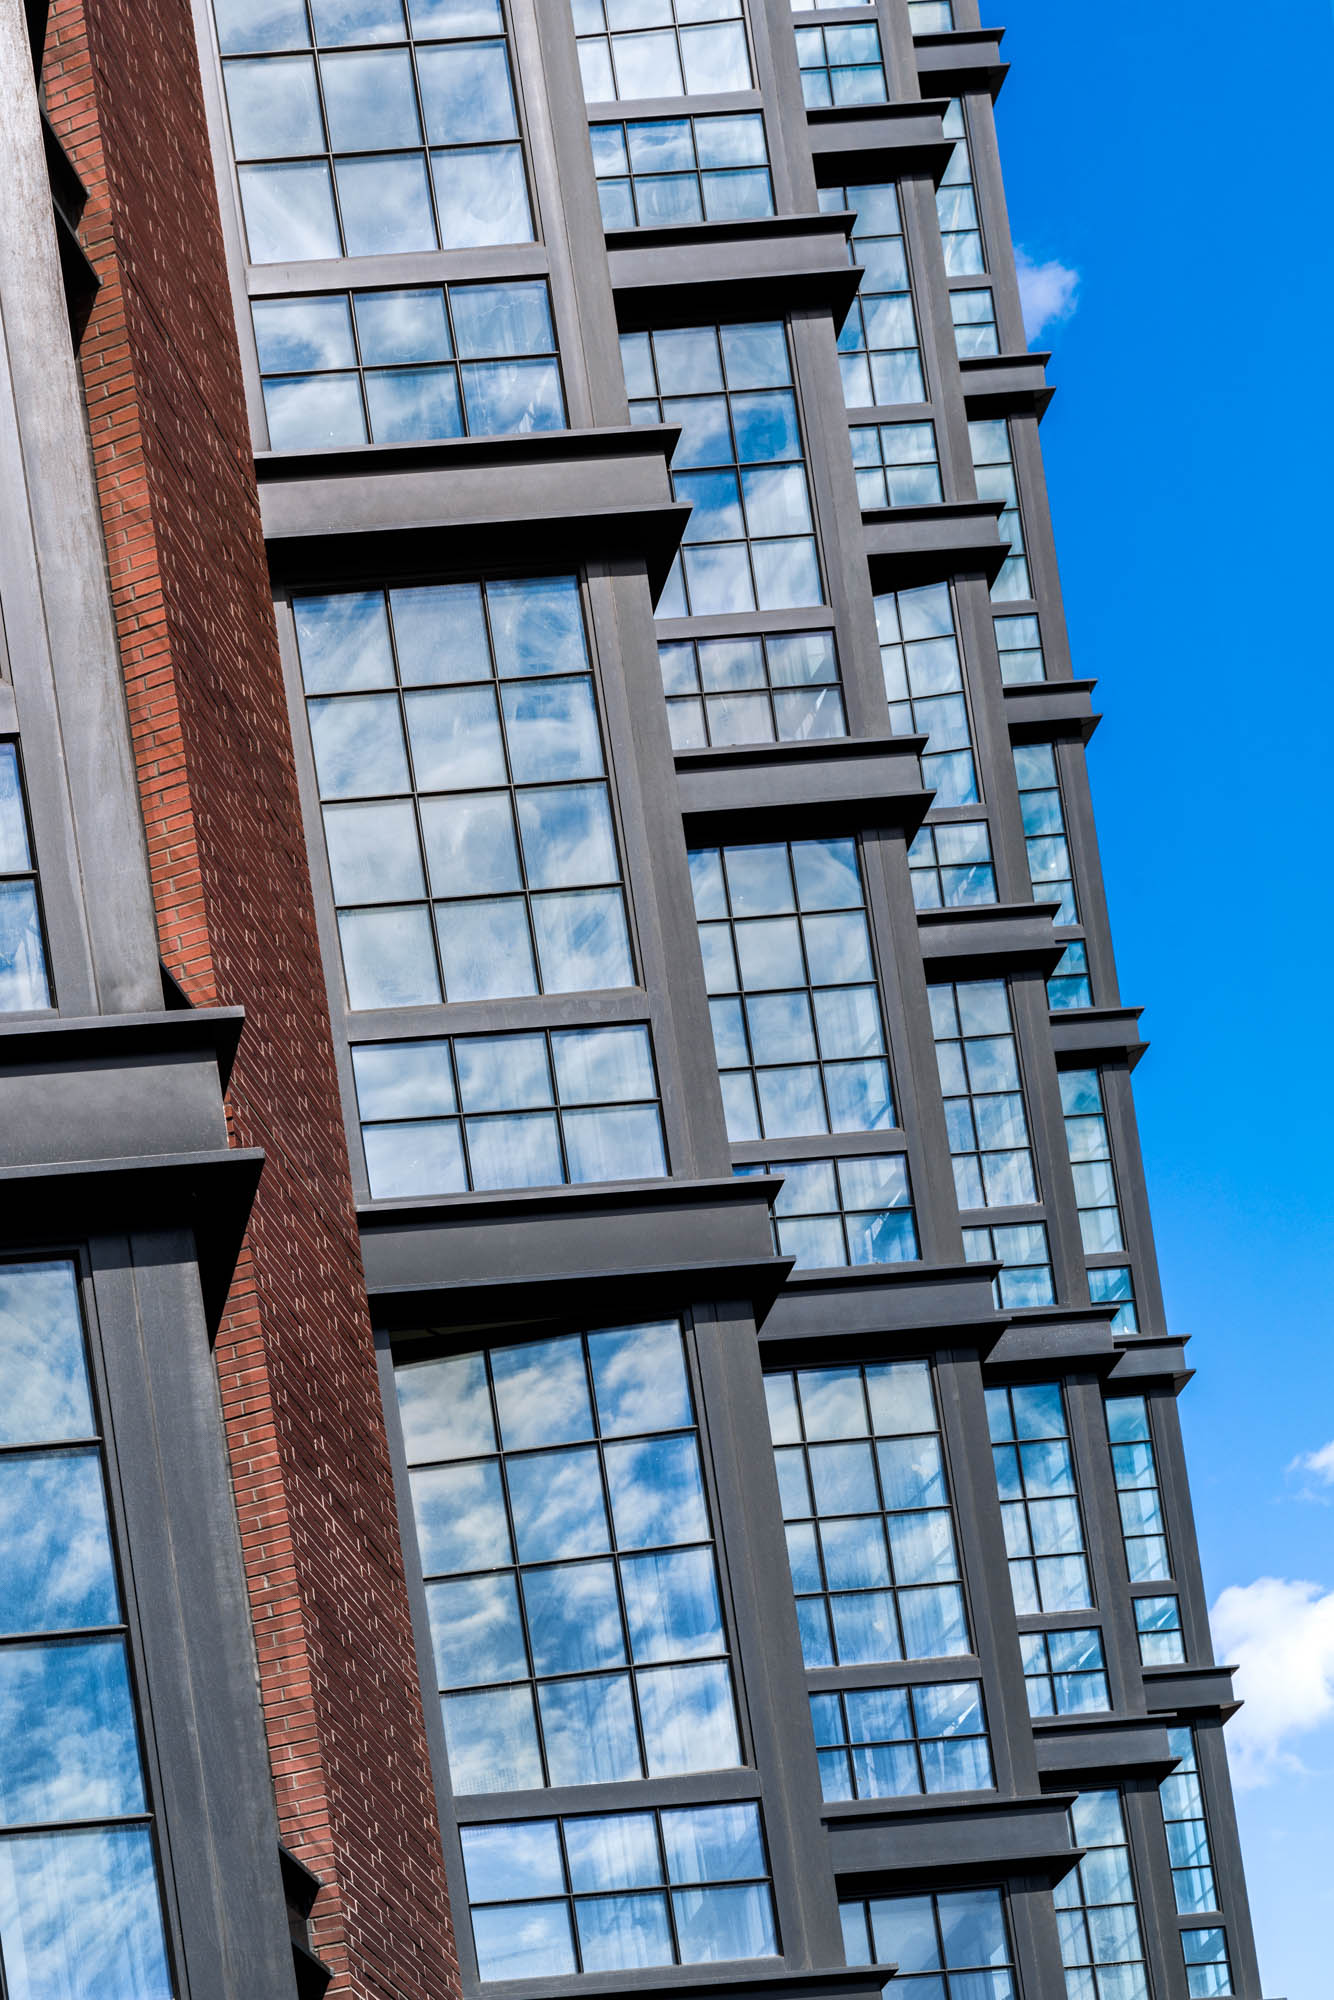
[
  {"x": 1280, "y": 1635},
  {"x": 1320, "y": 1464},
  {"x": 1048, "y": 292}
]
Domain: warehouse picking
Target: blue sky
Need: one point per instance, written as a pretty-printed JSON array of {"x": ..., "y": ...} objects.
[{"x": 1165, "y": 156}]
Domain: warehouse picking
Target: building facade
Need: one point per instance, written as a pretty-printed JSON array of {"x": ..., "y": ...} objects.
[{"x": 587, "y": 1405}]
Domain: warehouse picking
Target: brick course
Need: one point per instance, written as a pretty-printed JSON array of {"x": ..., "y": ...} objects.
[{"x": 295, "y": 1355}]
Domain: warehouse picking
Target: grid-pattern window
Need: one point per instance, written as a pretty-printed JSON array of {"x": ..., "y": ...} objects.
[
  {"x": 615, "y": 1892},
  {"x": 894, "y": 1743},
  {"x": 993, "y": 469},
  {"x": 954, "y": 1946},
  {"x": 1090, "y": 1152},
  {"x": 797, "y": 1025},
  {"x": 896, "y": 465},
  {"x": 564, "y": 1535},
  {"x": 950, "y": 866},
  {"x": 781, "y": 688},
  {"x": 23, "y": 977},
  {"x": 1019, "y": 644},
  {"x": 1182, "y": 1798},
  {"x": 1208, "y": 1972},
  {"x": 922, "y": 664},
  {"x": 870, "y": 1532},
  {"x": 1065, "y": 1672},
  {"x": 984, "y": 1105},
  {"x": 931, "y": 17},
  {"x": 358, "y": 132},
  {"x": 505, "y": 1111},
  {"x": 1035, "y": 1475},
  {"x": 1102, "y": 1948},
  {"x": 440, "y": 361},
  {"x": 1021, "y": 1250},
  {"x": 973, "y": 312},
  {"x": 1114, "y": 1285},
  {"x": 1069, "y": 984},
  {"x": 463, "y": 785},
  {"x": 750, "y": 541},
  {"x": 878, "y": 351},
  {"x": 841, "y": 65},
  {"x": 79, "y": 1907},
  {"x": 1158, "y": 1628},
  {"x": 1135, "y": 1471},
  {"x": 853, "y": 1210},
  {"x": 661, "y": 48},
  {"x": 654, "y": 172},
  {"x": 1050, "y": 869},
  {"x": 956, "y": 203}
]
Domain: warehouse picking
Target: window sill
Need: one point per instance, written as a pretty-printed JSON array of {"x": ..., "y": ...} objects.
[
  {"x": 982, "y": 938},
  {"x": 930, "y": 544},
  {"x": 859, "y": 142},
  {"x": 838, "y": 784},
  {"x": 765, "y": 266}
]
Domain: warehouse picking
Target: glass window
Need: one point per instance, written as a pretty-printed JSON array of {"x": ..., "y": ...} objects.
[
  {"x": 466, "y": 808},
  {"x": 1035, "y": 1475},
  {"x": 1135, "y": 1470},
  {"x": 1069, "y": 984},
  {"x": 974, "y": 315},
  {"x": 508, "y": 1111},
  {"x": 661, "y": 48},
  {"x": 856, "y": 1209},
  {"x": 978, "y": 1061},
  {"x": 1096, "y": 1911},
  {"x": 870, "y": 1530},
  {"x": 1019, "y": 644},
  {"x": 931, "y": 17},
  {"x": 615, "y": 1892},
  {"x": 783, "y": 687},
  {"x": 1022, "y": 1252},
  {"x": 896, "y": 465},
  {"x": 892, "y": 1743},
  {"x": 956, "y": 203},
  {"x": 841, "y": 65},
  {"x": 1064, "y": 1672},
  {"x": 1158, "y": 1626},
  {"x": 1050, "y": 869},
  {"x": 1187, "y": 1827},
  {"x": 922, "y": 664},
  {"x": 950, "y": 865},
  {"x": 79, "y": 1906},
  {"x": 388, "y": 135},
  {"x": 1091, "y": 1161},
  {"x": 564, "y": 1534},
  {"x": 795, "y": 1007},
  {"x": 1113, "y": 1284},
  {"x": 993, "y": 469},
  {"x": 402, "y": 367},
  {"x": 948, "y": 1947},
  {"x": 24, "y": 984},
  {"x": 878, "y": 350},
  {"x": 1208, "y": 1972},
  {"x": 750, "y": 541},
  {"x": 659, "y": 172}
]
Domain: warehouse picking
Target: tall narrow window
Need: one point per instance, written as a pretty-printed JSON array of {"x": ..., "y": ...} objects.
[
  {"x": 870, "y": 1529},
  {"x": 360, "y": 132},
  {"x": 1019, "y": 646},
  {"x": 80, "y": 1914},
  {"x": 1193, "y": 1884},
  {"x": 24, "y": 984},
  {"x": 794, "y": 1002},
  {"x": 1035, "y": 1475},
  {"x": 1208, "y": 1972},
  {"x": 1096, "y": 1910},
  {"x": 878, "y": 349},
  {"x": 750, "y": 541},
  {"x": 564, "y": 1534},
  {"x": 956, "y": 203},
  {"x": 1024, "y": 1255},
  {"x": 973, "y": 311},
  {"x": 1069, "y": 984},
  {"x": 993, "y": 468},
  {"x": 984, "y": 1105},
  {"x": 662, "y": 48},
  {"x": 1136, "y": 1473},
  {"x": 922, "y": 664},
  {"x": 1090, "y": 1152},
  {"x": 1049, "y": 866},
  {"x": 466, "y": 809},
  {"x": 953, "y": 1946},
  {"x": 896, "y": 465}
]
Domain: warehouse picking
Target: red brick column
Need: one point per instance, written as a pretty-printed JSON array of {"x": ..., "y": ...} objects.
[{"x": 236, "y": 920}]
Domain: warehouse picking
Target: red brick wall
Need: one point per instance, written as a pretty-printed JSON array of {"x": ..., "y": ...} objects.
[{"x": 235, "y": 916}]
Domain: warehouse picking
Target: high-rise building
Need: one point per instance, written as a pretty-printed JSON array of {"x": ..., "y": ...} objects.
[{"x": 584, "y": 1396}]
